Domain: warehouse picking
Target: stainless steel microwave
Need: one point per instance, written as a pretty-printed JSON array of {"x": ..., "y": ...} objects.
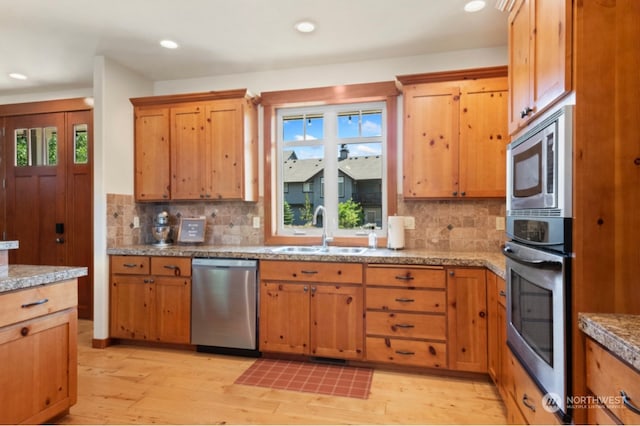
[{"x": 539, "y": 167}]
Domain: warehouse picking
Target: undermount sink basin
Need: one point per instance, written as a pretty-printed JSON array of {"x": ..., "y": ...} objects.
[{"x": 318, "y": 250}]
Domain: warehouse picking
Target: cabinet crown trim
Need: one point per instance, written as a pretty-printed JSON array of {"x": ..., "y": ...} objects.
[
  {"x": 466, "y": 74},
  {"x": 193, "y": 97}
]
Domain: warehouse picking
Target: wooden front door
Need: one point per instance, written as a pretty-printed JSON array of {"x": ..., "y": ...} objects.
[{"x": 48, "y": 160}]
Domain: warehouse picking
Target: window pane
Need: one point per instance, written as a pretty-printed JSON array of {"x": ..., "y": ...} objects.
[
  {"x": 349, "y": 124},
  {"x": 314, "y": 127},
  {"x": 360, "y": 166},
  {"x": 21, "y": 148},
  {"x": 371, "y": 123},
  {"x": 293, "y": 128},
  {"x": 303, "y": 171},
  {"x": 81, "y": 146}
]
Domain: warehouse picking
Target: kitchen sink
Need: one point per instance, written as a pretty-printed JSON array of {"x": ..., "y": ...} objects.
[{"x": 318, "y": 250}]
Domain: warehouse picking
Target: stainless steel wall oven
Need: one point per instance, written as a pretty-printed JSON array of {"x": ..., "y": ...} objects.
[{"x": 539, "y": 220}]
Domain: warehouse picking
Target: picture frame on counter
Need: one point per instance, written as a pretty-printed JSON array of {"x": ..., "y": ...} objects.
[{"x": 191, "y": 230}]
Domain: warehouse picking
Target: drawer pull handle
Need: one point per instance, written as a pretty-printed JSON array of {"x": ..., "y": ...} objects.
[
  {"x": 627, "y": 402},
  {"x": 36, "y": 303},
  {"x": 405, "y": 353},
  {"x": 405, "y": 325},
  {"x": 130, "y": 265},
  {"x": 309, "y": 272},
  {"x": 404, "y": 277},
  {"x": 529, "y": 405},
  {"x": 502, "y": 293},
  {"x": 404, "y": 300},
  {"x": 174, "y": 268}
]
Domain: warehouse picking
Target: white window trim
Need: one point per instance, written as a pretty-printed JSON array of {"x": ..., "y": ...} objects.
[{"x": 331, "y": 144}]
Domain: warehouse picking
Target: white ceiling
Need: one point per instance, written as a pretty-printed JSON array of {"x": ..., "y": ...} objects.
[{"x": 54, "y": 41}]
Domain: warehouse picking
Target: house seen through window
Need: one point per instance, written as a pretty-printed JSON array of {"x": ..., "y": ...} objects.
[{"x": 332, "y": 156}]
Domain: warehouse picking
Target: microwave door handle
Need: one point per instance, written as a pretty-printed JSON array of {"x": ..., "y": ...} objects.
[{"x": 551, "y": 264}]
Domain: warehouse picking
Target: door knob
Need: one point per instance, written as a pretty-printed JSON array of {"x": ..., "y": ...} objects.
[{"x": 59, "y": 240}]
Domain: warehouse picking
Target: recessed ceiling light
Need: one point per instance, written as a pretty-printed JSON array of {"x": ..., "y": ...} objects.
[
  {"x": 169, "y": 44},
  {"x": 305, "y": 26},
  {"x": 18, "y": 76},
  {"x": 474, "y": 5}
]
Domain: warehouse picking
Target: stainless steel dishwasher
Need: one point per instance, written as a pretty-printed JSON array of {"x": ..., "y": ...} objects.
[{"x": 224, "y": 311}]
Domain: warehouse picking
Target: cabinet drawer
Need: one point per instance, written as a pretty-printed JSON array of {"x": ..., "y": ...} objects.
[
  {"x": 528, "y": 397},
  {"x": 399, "y": 299},
  {"x": 607, "y": 377},
  {"x": 416, "y": 326},
  {"x": 317, "y": 272},
  {"x": 172, "y": 266},
  {"x": 138, "y": 265},
  {"x": 599, "y": 415},
  {"x": 407, "y": 352},
  {"x": 30, "y": 303},
  {"x": 419, "y": 276}
]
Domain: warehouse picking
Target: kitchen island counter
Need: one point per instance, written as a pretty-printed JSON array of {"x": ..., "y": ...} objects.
[
  {"x": 618, "y": 333},
  {"x": 25, "y": 276}
]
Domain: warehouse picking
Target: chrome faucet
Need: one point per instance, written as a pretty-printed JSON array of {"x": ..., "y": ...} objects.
[{"x": 325, "y": 239}]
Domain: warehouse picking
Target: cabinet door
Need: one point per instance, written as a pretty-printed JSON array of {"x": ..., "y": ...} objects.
[
  {"x": 38, "y": 368},
  {"x": 284, "y": 317},
  {"x": 152, "y": 155},
  {"x": 467, "y": 319},
  {"x": 483, "y": 138},
  {"x": 173, "y": 309},
  {"x": 497, "y": 332},
  {"x": 551, "y": 61},
  {"x": 188, "y": 154},
  {"x": 132, "y": 315},
  {"x": 431, "y": 141},
  {"x": 519, "y": 64},
  {"x": 225, "y": 150},
  {"x": 337, "y": 325}
]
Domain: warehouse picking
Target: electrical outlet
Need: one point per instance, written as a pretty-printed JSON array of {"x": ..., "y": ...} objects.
[
  {"x": 136, "y": 222},
  {"x": 500, "y": 223},
  {"x": 409, "y": 222},
  {"x": 256, "y": 222}
]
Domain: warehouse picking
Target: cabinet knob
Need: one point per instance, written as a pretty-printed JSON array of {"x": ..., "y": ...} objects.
[
  {"x": 451, "y": 273},
  {"x": 525, "y": 112},
  {"x": 455, "y": 193},
  {"x": 463, "y": 193}
]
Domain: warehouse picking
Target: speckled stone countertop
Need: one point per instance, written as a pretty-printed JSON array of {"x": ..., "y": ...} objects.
[
  {"x": 25, "y": 276},
  {"x": 619, "y": 333},
  {"x": 494, "y": 261}
]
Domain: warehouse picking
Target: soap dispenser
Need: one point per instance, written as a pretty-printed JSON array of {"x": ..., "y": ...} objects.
[{"x": 373, "y": 238}]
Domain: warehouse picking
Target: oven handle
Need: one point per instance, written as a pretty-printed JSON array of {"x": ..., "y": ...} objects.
[{"x": 550, "y": 264}]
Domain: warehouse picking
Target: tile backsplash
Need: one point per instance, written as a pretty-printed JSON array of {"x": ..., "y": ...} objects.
[{"x": 456, "y": 225}]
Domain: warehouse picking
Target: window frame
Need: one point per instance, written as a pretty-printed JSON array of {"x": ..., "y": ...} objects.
[{"x": 334, "y": 95}]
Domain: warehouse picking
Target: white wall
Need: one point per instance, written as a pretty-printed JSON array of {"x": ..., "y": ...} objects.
[
  {"x": 113, "y": 164},
  {"x": 337, "y": 74},
  {"x": 46, "y": 96}
]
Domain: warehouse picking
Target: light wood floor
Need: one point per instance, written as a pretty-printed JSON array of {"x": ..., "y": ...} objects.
[{"x": 139, "y": 385}]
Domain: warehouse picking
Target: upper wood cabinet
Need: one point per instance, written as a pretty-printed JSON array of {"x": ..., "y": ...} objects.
[
  {"x": 200, "y": 146},
  {"x": 539, "y": 57},
  {"x": 455, "y": 134}
]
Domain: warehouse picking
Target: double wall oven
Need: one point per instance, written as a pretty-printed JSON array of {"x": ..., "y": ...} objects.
[{"x": 538, "y": 253}]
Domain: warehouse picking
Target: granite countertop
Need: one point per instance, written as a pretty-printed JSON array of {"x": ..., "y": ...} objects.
[
  {"x": 619, "y": 333},
  {"x": 25, "y": 276},
  {"x": 494, "y": 261}
]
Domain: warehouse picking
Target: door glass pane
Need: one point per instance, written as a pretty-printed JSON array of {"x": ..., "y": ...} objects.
[
  {"x": 50, "y": 150},
  {"x": 80, "y": 144},
  {"x": 36, "y": 147},
  {"x": 22, "y": 148}
]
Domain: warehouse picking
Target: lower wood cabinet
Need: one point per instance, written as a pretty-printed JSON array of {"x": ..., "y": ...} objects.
[
  {"x": 312, "y": 308},
  {"x": 38, "y": 353},
  {"x": 608, "y": 378},
  {"x": 498, "y": 366},
  {"x": 151, "y": 298},
  {"x": 406, "y": 315},
  {"x": 526, "y": 399},
  {"x": 467, "y": 319}
]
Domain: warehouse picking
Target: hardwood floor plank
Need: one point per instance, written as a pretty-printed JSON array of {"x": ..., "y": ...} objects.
[{"x": 126, "y": 384}]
